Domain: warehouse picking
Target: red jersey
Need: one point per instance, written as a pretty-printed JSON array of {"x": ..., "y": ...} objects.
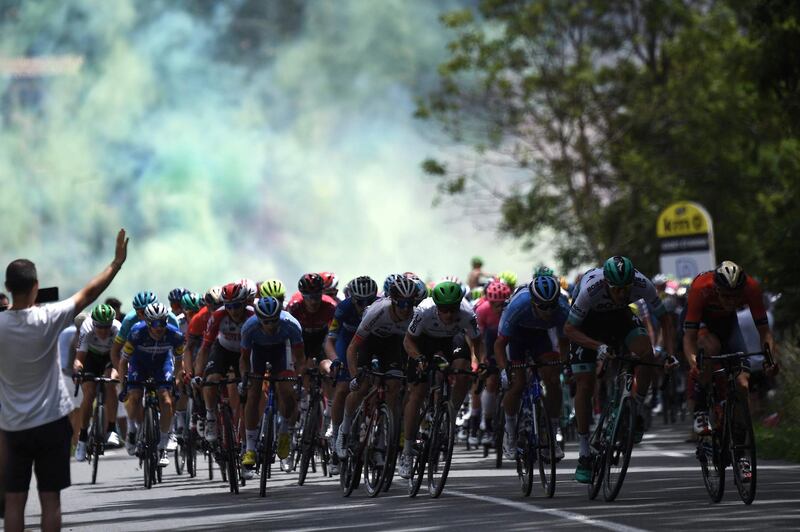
[
  {"x": 222, "y": 327},
  {"x": 197, "y": 326},
  {"x": 316, "y": 322},
  {"x": 704, "y": 304}
]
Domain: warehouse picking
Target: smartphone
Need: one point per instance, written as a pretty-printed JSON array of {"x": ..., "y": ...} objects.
[{"x": 47, "y": 295}]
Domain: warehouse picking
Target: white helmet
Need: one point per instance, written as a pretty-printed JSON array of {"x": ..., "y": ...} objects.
[
  {"x": 729, "y": 275},
  {"x": 155, "y": 311}
]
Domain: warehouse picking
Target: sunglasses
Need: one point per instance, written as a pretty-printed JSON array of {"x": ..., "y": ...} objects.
[
  {"x": 448, "y": 309},
  {"x": 233, "y": 306},
  {"x": 101, "y": 326},
  {"x": 363, "y": 301},
  {"x": 312, "y": 297},
  {"x": 546, "y": 307},
  {"x": 403, "y": 303},
  {"x": 157, "y": 324}
]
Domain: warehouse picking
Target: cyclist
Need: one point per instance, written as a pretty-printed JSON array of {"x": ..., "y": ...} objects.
[
  {"x": 191, "y": 303},
  {"x": 175, "y": 297},
  {"x": 220, "y": 351},
  {"x": 436, "y": 323},
  {"x": 147, "y": 354},
  {"x": 599, "y": 320},
  {"x": 273, "y": 288},
  {"x": 264, "y": 339},
  {"x": 488, "y": 311},
  {"x": 509, "y": 278},
  {"x": 711, "y": 324},
  {"x": 331, "y": 284},
  {"x": 140, "y": 301},
  {"x": 363, "y": 291},
  {"x": 93, "y": 355},
  {"x": 532, "y": 323},
  {"x": 380, "y": 334}
]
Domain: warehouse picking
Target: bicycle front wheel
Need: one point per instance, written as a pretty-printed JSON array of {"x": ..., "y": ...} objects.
[
  {"x": 545, "y": 449},
  {"x": 597, "y": 448},
  {"x": 148, "y": 441},
  {"x": 307, "y": 440},
  {"x": 267, "y": 448},
  {"x": 619, "y": 448},
  {"x": 742, "y": 449},
  {"x": 441, "y": 452},
  {"x": 351, "y": 464},
  {"x": 98, "y": 438},
  {"x": 525, "y": 447},
  {"x": 376, "y": 453},
  {"x": 229, "y": 449}
]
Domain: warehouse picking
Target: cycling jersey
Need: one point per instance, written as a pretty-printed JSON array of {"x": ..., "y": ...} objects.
[
  {"x": 426, "y": 321},
  {"x": 90, "y": 343},
  {"x": 488, "y": 323},
  {"x": 346, "y": 320},
  {"x": 183, "y": 322},
  {"x": 131, "y": 319},
  {"x": 519, "y": 315},
  {"x": 148, "y": 357},
  {"x": 315, "y": 325},
  {"x": 704, "y": 304},
  {"x": 225, "y": 330},
  {"x": 593, "y": 296},
  {"x": 198, "y": 323},
  {"x": 377, "y": 320},
  {"x": 273, "y": 348}
]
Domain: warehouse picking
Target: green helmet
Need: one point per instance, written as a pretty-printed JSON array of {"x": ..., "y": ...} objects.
[
  {"x": 191, "y": 301},
  {"x": 103, "y": 315},
  {"x": 447, "y": 293},
  {"x": 544, "y": 270},
  {"x": 477, "y": 293},
  {"x": 618, "y": 271},
  {"x": 508, "y": 277},
  {"x": 273, "y": 288}
]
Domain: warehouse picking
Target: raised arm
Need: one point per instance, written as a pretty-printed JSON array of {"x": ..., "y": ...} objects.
[{"x": 96, "y": 286}]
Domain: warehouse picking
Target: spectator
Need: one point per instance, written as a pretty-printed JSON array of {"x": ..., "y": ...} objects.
[
  {"x": 477, "y": 276},
  {"x": 116, "y": 304},
  {"x": 3, "y": 302},
  {"x": 34, "y": 403}
]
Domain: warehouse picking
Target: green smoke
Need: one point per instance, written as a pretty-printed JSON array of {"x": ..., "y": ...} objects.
[{"x": 236, "y": 139}]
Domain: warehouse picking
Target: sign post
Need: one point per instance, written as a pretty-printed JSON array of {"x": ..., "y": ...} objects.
[{"x": 686, "y": 239}]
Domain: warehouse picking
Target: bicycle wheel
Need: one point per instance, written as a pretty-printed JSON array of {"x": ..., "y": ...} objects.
[
  {"x": 307, "y": 440},
  {"x": 597, "y": 448},
  {"x": 229, "y": 449},
  {"x": 420, "y": 453},
  {"x": 525, "y": 447},
  {"x": 210, "y": 459},
  {"x": 267, "y": 448},
  {"x": 441, "y": 452},
  {"x": 96, "y": 441},
  {"x": 620, "y": 446},
  {"x": 191, "y": 452},
  {"x": 391, "y": 453},
  {"x": 180, "y": 458},
  {"x": 499, "y": 428},
  {"x": 742, "y": 448},
  {"x": 545, "y": 439},
  {"x": 351, "y": 464},
  {"x": 379, "y": 440},
  {"x": 149, "y": 438}
]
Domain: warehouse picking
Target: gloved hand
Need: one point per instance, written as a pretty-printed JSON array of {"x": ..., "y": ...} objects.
[
  {"x": 504, "y": 379},
  {"x": 568, "y": 375},
  {"x": 603, "y": 352},
  {"x": 354, "y": 384},
  {"x": 197, "y": 381}
]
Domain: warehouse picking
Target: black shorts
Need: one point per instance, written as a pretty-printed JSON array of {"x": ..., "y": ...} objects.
[
  {"x": 613, "y": 328},
  {"x": 43, "y": 449},
  {"x": 221, "y": 361},
  {"x": 388, "y": 350},
  {"x": 454, "y": 348},
  {"x": 97, "y": 364}
]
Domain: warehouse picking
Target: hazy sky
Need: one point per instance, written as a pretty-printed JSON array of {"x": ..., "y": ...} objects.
[{"x": 295, "y": 153}]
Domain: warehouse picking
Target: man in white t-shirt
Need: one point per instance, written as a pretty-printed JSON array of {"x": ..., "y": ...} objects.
[{"x": 34, "y": 401}]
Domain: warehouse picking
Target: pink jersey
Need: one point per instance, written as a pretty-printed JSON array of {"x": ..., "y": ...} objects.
[{"x": 488, "y": 319}]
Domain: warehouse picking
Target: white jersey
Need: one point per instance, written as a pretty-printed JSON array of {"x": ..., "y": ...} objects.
[
  {"x": 426, "y": 321},
  {"x": 88, "y": 341},
  {"x": 593, "y": 296},
  {"x": 377, "y": 320}
]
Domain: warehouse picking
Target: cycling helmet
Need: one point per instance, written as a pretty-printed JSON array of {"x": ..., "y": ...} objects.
[
  {"x": 544, "y": 289},
  {"x": 330, "y": 282},
  {"x": 618, "y": 271},
  {"x": 387, "y": 284},
  {"x": 403, "y": 288},
  {"x": 142, "y": 299},
  {"x": 508, "y": 277},
  {"x": 233, "y": 293},
  {"x": 447, "y": 293},
  {"x": 451, "y": 278},
  {"x": 176, "y": 294},
  {"x": 311, "y": 283},
  {"x": 155, "y": 311},
  {"x": 477, "y": 293},
  {"x": 214, "y": 296},
  {"x": 268, "y": 308},
  {"x": 660, "y": 279},
  {"x": 497, "y": 292},
  {"x": 251, "y": 288},
  {"x": 103, "y": 315},
  {"x": 422, "y": 290},
  {"x": 729, "y": 275},
  {"x": 191, "y": 301},
  {"x": 543, "y": 270},
  {"x": 273, "y": 288},
  {"x": 363, "y": 287}
]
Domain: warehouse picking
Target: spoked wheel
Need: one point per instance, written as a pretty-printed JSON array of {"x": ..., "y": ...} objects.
[
  {"x": 210, "y": 459},
  {"x": 597, "y": 448},
  {"x": 307, "y": 441},
  {"x": 180, "y": 459},
  {"x": 441, "y": 452},
  {"x": 191, "y": 453},
  {"x": 545, "y": 449},
  {"x": 265, "y": 458},
  {"x": 351, "y": 464},
  {"x": 525, "y": 449},
  {"x": 420, "y": 453},
  {"x": 742, "y": 450},
  {"x": 499, "y": 429},
  {"x": 149, "y": 437},
  {"x": 709, "y": 453},
  {"x": 99, "y": 422},
  {"x": 229, "y": 450},
  {"x": 379, "y": 440},
  {"x": 391, "y": 456},
  {"x": 620, "y": 446}
]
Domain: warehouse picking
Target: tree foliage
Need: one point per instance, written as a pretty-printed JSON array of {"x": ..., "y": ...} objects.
[{"x": 612, "y": 110}]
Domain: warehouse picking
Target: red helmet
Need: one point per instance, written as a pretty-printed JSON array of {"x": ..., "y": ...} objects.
[
  {"x": 311, "y": 283},
  {"x": 497, "y": 292},
  {"x": 233, "y": 293},
  {"x": 330, "y": 282}
]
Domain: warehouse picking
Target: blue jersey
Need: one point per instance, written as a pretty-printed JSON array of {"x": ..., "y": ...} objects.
[
  {"x": 519, "y": 318},
  {"x": 131, "y": 319},
  {"x": 345, "y": 322},
  {"x": 143, "y": 348},
  {"x": 289, "y": 329}
]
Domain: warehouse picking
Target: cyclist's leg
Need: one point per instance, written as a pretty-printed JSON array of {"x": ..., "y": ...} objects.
[
  {"x": 165, "y": 399},
  {"x": 111, "y": 401},
  {"x": 214, "y": 371}
]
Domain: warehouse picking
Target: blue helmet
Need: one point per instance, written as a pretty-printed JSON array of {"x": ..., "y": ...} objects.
[
  {"x": 544, "y": 289},
  {"x": 390, "y": 279},
  {"x": 268, "y": 308},
  {"x": 142, "y": 299},
  {"x": 176, "y": 294}
]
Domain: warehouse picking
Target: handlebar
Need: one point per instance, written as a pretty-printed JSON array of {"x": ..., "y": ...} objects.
[
  {"x": 535, "y": 364},
  {"x": 90, "y": 377}
]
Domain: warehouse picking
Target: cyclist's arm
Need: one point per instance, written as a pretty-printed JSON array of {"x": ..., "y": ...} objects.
[
  {"x": 765, "y": 335},
  {"x": 668, "y": 332},
  {"x": 690, "y": 347},
  {"x": 96, "y": 286},
  {"x": 352, "y": 354},
  {"x": 330, "y": 347},
  {"x": 77, "y": 364},
  {"x": 299, "y": 356},
  {"x": 244, "y": 361},
  {"x": 187, "y": 360},
  {"x": 116, "y": 348},
  {"x": 576, "y": 336},
  {"x": 500, "y": 351},
  {"x": 410, "y": 345},
  {"x": 202, "y": 358},
  {"x": 563, "y": 347},
  {"x": 127, "y": 352},
  {"x": 476, "y": 346}
]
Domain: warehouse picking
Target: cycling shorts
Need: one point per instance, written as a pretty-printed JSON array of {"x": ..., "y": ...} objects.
[
  {"x": 141, "y": 369},
  {"x": 528, "y": 342},
  {"x": 221, "y": 361},
  {"x": 455, "y": 348},
  {"x": 278, "y": 355},
  {"x": 612, "y": 328}
]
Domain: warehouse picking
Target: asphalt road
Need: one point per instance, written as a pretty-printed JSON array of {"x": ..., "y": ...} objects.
[{"x": 663, "y": 491}]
